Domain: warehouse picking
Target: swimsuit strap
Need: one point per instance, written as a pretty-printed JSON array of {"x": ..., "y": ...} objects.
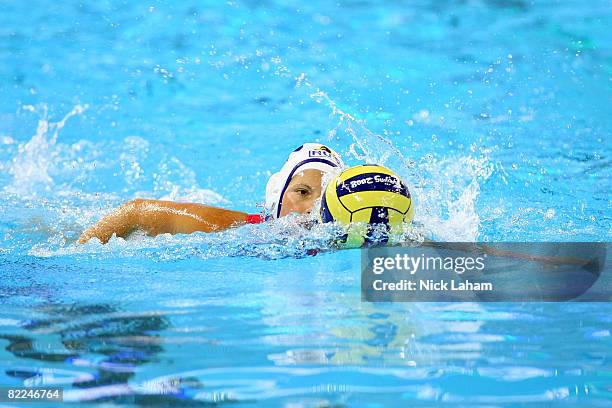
[{"x": 255, "y": 219}]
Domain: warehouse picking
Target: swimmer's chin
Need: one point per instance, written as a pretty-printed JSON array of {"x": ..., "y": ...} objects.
[{"x": 305, "y": 220}]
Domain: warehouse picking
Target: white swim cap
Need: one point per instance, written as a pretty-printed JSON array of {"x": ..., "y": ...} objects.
[{"x": 308, "y": 156}]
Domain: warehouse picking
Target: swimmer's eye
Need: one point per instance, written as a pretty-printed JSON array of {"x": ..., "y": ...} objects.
[{"x": 303, "y": 191}]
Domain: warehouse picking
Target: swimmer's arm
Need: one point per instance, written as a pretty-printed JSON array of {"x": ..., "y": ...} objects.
[
  {"x": 158, "y": 217},
  {"x": 490, "y": 250}
]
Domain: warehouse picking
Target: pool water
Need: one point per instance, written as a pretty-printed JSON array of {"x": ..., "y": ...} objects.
[{"x": 496, "y": 113}]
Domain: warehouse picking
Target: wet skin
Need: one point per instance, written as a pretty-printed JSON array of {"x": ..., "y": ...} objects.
[
  {"x": 303, "y": 190},
  {"x": 158, "y": 217}
]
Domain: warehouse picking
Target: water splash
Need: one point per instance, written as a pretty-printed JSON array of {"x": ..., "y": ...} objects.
[
  {"x": 291, "y": 236},
  {"x": 33, "y": 167},
  {"x": 54, "y": 190},
  {"x": 445, "y": 190}
]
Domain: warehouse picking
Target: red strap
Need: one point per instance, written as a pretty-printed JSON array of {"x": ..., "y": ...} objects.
[{"x": 254, "y": 219}]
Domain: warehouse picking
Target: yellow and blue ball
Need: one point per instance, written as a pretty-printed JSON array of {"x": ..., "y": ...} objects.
[{"x": 367, "y": 198}]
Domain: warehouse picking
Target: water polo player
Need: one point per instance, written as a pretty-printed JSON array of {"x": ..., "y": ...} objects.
[{"x": 294, "y": 189}]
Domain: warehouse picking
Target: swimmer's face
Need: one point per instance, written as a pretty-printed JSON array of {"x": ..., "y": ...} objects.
[{"x": 303, "y": 190}]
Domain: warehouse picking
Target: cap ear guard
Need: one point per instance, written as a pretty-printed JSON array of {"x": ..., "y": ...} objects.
[{"x": 275, "y": 184}]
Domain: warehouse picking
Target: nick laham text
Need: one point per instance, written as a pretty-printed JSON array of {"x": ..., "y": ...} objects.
[{"x": 430, "y": 285}]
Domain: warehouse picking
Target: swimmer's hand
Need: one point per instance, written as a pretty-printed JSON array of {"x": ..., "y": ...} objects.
[{"x": 158, "y": 217}]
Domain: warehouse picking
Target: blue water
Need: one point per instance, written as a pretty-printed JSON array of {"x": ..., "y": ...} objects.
[{"x": 495, "y": 112}]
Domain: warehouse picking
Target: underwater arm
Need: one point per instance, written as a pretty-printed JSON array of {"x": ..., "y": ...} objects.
[
  {"x": 503, "y": 253},
  {"x": 159, "y": 217}
]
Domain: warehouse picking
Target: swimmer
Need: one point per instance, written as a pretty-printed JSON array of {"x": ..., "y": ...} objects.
[{"x": 294, "y": 189}]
